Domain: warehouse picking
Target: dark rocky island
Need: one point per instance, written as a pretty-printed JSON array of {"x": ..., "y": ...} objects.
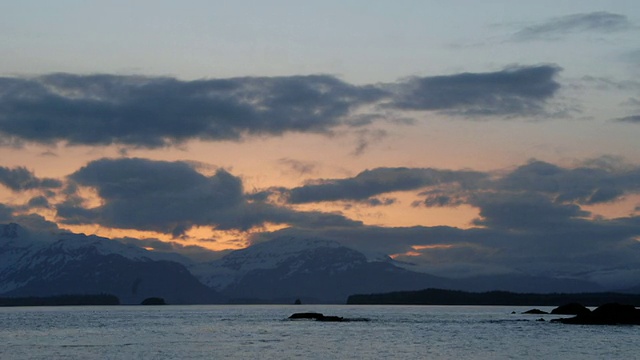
[
  {"x": 571, "y": 309},
  {"x": 153, "y": 301},
  {"x": 535, "y": 312},
  {"x": 607, "y": 314},
  {"x": 61, "y": 300},
  {"x": 454, "y": 297},
  {"x": 322, "y": 317}
]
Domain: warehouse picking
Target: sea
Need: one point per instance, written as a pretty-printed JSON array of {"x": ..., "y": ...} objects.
[{"x": 264, "y": 332}]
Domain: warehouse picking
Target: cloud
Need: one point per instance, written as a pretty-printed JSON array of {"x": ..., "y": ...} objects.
[
  {"x": 598, "y": 183},
  {"x": 298, "y": 167},
  {"x": 512, "y": 91},
  {"x": 566, "y": 247},
  {"x": 21, "y": 179},
  {"x": 38, "y": 202},
  {"x": 536, "y": 185},
  {"x": 193, "y": 252},
  {"x": 6, "y": 213},
  {"x": 607, "y": 84},
  {"x": 531, "y": 220},
  {"x": 523, "y": 211},
  {"x": 172, "y": 197},
  {"x": 632, "y": 57},
  {"x": 366, "y": 137},
  {"x": 36, "y": 224},
  {"x": 441, "y": 198},
  {"x": 374, "y": 182},
  {"x": 633, "y": 119},
  {"x": 154, "y": 112},
  {"x": 380, "y": 202},
  {"x": 600, "y": 22}
]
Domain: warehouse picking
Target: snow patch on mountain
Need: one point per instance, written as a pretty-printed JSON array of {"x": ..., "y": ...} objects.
[
  {"x": 297, "y": 254},
  {"x": 23, "y": 252}
]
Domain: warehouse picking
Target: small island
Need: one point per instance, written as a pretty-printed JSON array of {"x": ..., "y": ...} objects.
[
  {"x": 607, "y": 314},
  {"x": 61, "y": 300},
  {"x": 454, "y": 297},
  {"x": 153, "y": 301},
  {"x": 321, "y": 317}
]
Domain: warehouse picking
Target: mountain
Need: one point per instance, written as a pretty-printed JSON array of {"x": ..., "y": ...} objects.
[
  {"x": 46, "y": 265},
  {"x": 320, "y": 270},
  {"x": 314, "y": 270},
  {"x": 280, "y": 270}
]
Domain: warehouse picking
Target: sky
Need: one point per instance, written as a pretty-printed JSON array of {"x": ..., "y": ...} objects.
[{"x": 460, "y": 137}]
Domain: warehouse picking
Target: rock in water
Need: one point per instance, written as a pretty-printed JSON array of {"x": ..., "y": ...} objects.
[
  {"x": 321, "y": 317},
  {"x": 571, "y": 309},
  {"x": 307, "y": 315},
  {"x": 153, "y": 301},
  {"x": 535, "y": 312},
  {"x": 607, "y": 314}
]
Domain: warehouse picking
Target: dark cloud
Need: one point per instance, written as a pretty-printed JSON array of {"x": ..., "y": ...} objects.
[
  {"x": 596, "y": 181},
  {"x": 524, "y": 211},
  {"x": 150, "y": 195},
  {"x": 568, "y": 246},
  {"x": 192, "y": 252},
  {"x": 531, "y": 220},
  {"x": 535, "y": 184},
  {"x": 512, "y": 91},
  {"x": 37, "y": 224},
  {"x": 20, "y": 179},
  {"x": 6, "y": 213},
  {"x": 159, "y": 111},
  {"x": 171, "y": 197},
  {"x": 585, "y": 185},
  {"x": 380, "y": 202},
  {"x": 378, "y": 181},
  {"x": 441, "y": 198},
  {"x": 633, "y": 119},
  {"x": 38, "y": 202},
  {"x": 601, "y": 22},
  {"x": 154, "y": 112}
]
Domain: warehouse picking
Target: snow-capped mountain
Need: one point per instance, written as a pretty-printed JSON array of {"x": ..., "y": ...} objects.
[
  {"x": 287, "y": 268},
  {"x": 267, "y": 255},
  {"x": 43, "y": 265},
  {"x": 280, "y": 270}
]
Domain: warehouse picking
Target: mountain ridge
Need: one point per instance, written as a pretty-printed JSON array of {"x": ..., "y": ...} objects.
[
  {"x": 278, "y": 270},
  {"x": 60, "y": 264}
]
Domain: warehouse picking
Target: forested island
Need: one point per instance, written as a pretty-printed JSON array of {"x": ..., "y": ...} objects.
[
  {"x": 61, "y": 300},
  {"x": 454, "y": 297}
]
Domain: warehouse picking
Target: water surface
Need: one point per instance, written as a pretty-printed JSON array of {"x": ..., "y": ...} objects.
[{"x": 262, "y": 332}]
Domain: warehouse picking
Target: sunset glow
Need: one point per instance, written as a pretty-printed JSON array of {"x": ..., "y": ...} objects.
[{"x": 490, "y": 137}]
